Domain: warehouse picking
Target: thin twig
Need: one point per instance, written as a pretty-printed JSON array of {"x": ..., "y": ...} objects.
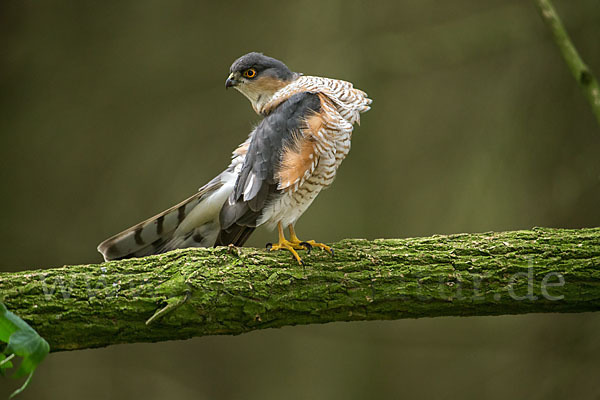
[
  {"x": 580, "y": 71},
  {"x": 7, "y": 359}
]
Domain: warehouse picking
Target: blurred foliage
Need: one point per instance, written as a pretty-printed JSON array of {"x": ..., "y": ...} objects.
[
  {"x": 23, "y": 341},
  {"x": 112, "y": 111}
]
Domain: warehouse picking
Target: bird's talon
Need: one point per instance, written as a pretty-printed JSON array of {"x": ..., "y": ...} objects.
[
  {"x": 295, "y": 244},
  {"x": 307, "y": 246}
]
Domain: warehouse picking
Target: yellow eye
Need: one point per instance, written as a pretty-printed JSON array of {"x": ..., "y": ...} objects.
[{"x": 250, "y": 73}]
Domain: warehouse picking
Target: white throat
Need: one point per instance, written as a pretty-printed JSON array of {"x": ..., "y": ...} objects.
[{"x": 257, "y": 99}]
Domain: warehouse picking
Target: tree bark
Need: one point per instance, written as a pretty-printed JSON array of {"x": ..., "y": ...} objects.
[{"x": 195, "y": 292}]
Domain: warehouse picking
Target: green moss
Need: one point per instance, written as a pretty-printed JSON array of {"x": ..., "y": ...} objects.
[{"x": 195, "y": 292}]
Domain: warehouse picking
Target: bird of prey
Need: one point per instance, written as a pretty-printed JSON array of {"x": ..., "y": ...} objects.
[{"x": 274, "y": 175}]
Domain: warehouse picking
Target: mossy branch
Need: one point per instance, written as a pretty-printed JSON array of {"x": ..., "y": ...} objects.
[
  {"x": 580, "y": 71},
  {"x": 197, "y": 292}
]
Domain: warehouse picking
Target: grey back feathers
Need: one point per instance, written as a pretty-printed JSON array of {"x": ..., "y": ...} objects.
[{"x": 256, "y": 183}]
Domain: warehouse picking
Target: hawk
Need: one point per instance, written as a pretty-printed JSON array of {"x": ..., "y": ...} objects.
[{"x": 273, "y": 177}]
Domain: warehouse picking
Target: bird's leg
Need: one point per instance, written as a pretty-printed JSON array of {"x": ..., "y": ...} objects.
[
  {"x": 287, "y": 245},
  {"x": 308, "y": 244}
]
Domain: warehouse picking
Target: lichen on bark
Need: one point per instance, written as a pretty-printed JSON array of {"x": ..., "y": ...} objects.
[{"x": 195, "y": 292}]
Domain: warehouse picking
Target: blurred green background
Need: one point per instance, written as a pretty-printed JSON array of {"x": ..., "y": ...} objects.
[{"x": 112, "y": 111}]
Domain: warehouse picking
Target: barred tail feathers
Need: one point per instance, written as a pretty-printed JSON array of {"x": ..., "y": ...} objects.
[{"x": 192, "y": 223}]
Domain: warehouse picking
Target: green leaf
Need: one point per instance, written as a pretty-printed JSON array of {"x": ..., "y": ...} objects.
[
  {"x": 22, "y": 341},
  {"x": 7, "y": 327},
  {"x": 29, "y": 345}
]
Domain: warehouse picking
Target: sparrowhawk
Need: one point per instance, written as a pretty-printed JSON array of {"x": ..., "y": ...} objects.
[{"x": 273, "y": 177}]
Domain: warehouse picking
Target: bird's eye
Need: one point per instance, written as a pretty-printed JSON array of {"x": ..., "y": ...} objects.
[{"x": 250, "y": 73}]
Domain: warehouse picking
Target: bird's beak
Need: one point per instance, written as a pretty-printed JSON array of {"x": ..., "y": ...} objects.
[{"x": 231, "y": 81}]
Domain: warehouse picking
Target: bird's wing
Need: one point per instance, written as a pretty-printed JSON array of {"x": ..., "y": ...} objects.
[{"x": 279, "y": 150}]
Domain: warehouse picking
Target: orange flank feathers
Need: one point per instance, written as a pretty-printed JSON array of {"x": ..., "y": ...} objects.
[{"x": 297, "y": 162}]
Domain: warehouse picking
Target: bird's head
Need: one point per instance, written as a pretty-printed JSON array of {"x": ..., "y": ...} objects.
[{"x": 258, "y": 77}]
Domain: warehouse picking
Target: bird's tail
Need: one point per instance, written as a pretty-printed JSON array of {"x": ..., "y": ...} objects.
[{"x": 192, "y": 223}]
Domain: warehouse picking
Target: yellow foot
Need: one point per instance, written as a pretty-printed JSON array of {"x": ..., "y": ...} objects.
[
  {"x": 289, "y": 246},
  {"x": 296, "y": 244},
  {"x": 309, "y": 244}
]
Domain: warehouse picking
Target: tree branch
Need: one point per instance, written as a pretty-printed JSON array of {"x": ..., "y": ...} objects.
[
  {"x": 580, "y": 71},
  {"x": 197, "y": 292}
]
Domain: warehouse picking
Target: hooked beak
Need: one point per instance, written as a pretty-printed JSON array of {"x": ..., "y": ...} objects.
[{"x": 231, "y": 81}]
